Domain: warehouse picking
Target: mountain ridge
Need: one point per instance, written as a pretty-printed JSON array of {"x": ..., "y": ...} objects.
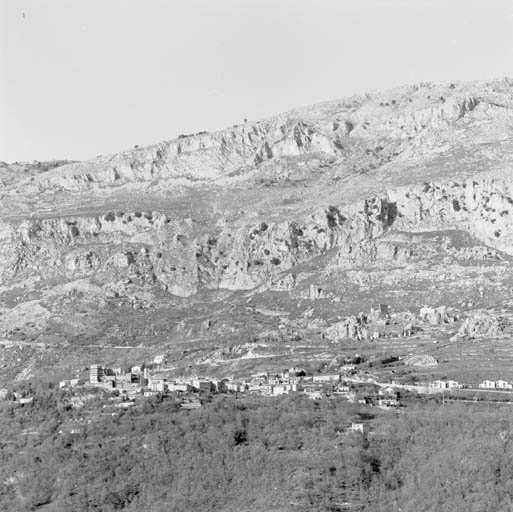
[{"x": 328, "y": 195}]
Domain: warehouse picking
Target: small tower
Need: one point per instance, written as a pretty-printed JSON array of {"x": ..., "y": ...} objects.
[{"x": 95, "y": 373}]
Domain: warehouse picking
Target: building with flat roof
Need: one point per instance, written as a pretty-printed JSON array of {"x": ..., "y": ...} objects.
[
  {"x": 362, "y": 428},
  {"x": 202, "y": 385},
  {"x": 95, "y": 373}
]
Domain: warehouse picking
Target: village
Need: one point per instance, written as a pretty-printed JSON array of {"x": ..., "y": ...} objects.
[
  {"x": 353, "y": 379},
  {"x": 126, "y": 387}
]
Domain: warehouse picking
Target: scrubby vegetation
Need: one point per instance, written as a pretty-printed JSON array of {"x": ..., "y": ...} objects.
[{"x": 254, "y": 454}]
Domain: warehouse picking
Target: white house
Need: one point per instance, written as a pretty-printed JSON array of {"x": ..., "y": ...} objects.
[
  {"x": 68, "y": 383},
  {"x": 326, "y": 378},
  {"x": 385, "y": 403},
  {"x": 179, "y": 386},
  {"x": 487, "y": 384},
  {"x": 237, "y": 387},
  {"x": 160, "y": 359},
  {"x": 388, "y": 391},
  {"x": 158, "y": 385},
  {"x": 446, "y": 384},
  {"x": 363, "y": 428},
  {"x": 280, "y": 389},
  {"x": 502, "y": 384}
]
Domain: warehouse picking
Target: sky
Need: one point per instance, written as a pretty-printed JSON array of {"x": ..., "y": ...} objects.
[{"x": 80, "y": 78}]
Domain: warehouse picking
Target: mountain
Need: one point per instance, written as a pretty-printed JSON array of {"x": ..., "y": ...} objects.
[{"x": 266, "y": 238}]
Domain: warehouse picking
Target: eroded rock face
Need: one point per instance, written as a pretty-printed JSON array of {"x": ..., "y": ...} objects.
[
  {"x": 177, "y": 253},
  {"x": 437, "y": 316},
  {"x": 424, "y": 361},
  {"x": 202, "y": 156},
  {"x": 149, "y": 247},
  {"x": 350, "y": 328},
  {"x": 152, "y": 247},
  {"x": 483, "y": 208},
  {"x": 482, "y": 324}
]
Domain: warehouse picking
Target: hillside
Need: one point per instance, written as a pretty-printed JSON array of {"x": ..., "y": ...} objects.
[{"x": 272, "y": 234}]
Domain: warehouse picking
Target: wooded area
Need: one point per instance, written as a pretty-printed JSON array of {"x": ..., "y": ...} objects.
[{"x": 255, "y": 454}]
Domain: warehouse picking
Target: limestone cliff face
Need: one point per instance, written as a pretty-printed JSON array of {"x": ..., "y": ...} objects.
[
  {"x": 323, "y": 154},
  {"x": 483, "y": 208},
  {"x": 150, "y": 248}
]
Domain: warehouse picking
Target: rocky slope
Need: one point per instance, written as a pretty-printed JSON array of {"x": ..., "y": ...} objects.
[{"x": 330, "y": 194}]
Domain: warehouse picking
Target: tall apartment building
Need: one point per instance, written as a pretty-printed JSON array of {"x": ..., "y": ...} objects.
[{"x": 95, "y": 373}]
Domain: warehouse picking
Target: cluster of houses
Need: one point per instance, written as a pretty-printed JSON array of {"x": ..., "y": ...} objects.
[
  {"x": 22, "y": 397},
  {"x": 140, "y": 382},
  {"x": 486, "y": 384},
  {"x": 148, "y": 380},
  {"x": 446, "y": 384},
  {"x": 497, "y": 384},
  {"x": 293, "y": 380}
]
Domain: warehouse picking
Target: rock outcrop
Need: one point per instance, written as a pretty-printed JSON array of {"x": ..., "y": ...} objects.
[
  {"x": 150, "y": 247},
  {"x": 424, "y": 361},
  {"x": 482, "y": 324},
  {"x": 351, "y": 327},
  {"x": 437, "y": 316}
]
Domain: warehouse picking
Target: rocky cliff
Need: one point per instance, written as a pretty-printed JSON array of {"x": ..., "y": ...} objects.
[{"x": 175, "y": 253}]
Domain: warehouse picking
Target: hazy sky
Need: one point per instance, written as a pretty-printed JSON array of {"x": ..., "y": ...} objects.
[{"x": 85, "y": 77}]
